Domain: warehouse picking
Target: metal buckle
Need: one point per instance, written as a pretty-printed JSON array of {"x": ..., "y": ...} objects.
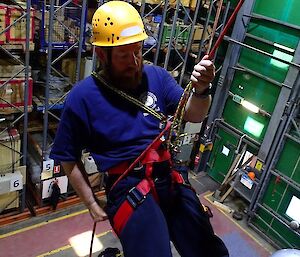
[
  {"x": 135, "y": 197},
  {"x": 139, "y": 166}
]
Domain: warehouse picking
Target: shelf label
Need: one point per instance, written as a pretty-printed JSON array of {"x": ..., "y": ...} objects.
[
  {"x": 246, "y": 181},
  {"x": 16, "y": 182},
  {"x": 56, "y": 169},
  {"x": 48, "y": 165},
  {"x": 47, "y": 171}
]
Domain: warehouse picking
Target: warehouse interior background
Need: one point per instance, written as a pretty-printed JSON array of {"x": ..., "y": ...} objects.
[{"x": 245, "y": 155}]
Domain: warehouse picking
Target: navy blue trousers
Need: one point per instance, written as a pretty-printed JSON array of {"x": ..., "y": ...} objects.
[{"x": 178, "y": 217}]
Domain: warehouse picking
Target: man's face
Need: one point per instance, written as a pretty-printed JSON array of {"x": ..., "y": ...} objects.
[{"x": 125, "y": 67}]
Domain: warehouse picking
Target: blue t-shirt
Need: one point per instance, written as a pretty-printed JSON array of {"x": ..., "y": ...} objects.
[{"x": 109, "y": 127}]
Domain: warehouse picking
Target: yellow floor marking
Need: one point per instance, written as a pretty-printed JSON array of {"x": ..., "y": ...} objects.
[
  {"x": 66, "y": 247},
  {"x": 43, "y": 223},
  {"x": 244, "y": 230}
]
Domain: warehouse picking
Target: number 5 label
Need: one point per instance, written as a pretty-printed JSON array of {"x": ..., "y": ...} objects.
[{"x": 48, "y": 165}]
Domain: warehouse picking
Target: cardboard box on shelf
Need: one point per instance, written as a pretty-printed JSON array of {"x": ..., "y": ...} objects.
[
  {"x": 12, "y": 95},
  {"x": 7, "y": 70},
  {"x": 69, "y": 68},
  {"x": 17, "y": 33},
  {"x": 185, "y": 3},
  {"x": 10, "y": 147},
  {"x": 58, "y": 33},
  {"x": 3, "y": 12},
  {"x": 10, "y": 199},
  {"x": 198, "y": 31}
]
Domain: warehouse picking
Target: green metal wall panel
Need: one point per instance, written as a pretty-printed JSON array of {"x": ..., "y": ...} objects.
[
  {"x": 277, "y": 198},
  {"x": 289, "y": 161},
  {"x": 220, "y": 163},
  {"x": 279, "y": 194},
  {"x": 287, "y": 10},
  {"x": 263, "y": 219},
  {"x": 237, "y": 116},
  {"x": 255, "y": 90},
  {"x": 261, "y": 63},
  {"x": 273, "y": 32},
  {"x": 280, "y": 40}
]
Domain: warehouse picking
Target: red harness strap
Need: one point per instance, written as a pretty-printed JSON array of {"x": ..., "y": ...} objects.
[
  {"x": 153, "y": 154},
  {"x": 134, "y": 198},
  {"x": 138, "y": 193}
]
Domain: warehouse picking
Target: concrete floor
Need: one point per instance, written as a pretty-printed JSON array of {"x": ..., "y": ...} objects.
[{"x": 61, "y": 233}]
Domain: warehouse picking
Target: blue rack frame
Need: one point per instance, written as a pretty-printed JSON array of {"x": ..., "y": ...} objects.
[{"x": 73, "y": 11}]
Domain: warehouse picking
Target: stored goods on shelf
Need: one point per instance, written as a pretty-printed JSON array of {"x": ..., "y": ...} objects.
[
  {"x": 8, "y": 71},
  {"x": 12, "y": 95},
  {"x": 10, "y": 147},
  {"x": 17, "y": 33},
  {"x": 3, "y": 11}
]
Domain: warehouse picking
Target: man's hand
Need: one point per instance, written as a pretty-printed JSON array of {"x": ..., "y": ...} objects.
[
  {"x": 96, "y": 212},
  {"x": 203, "y": 74}
]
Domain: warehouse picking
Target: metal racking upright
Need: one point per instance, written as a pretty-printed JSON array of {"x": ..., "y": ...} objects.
[
  {"x": 176, "y": 39},
  {"x": 219, "y": 23},
  {"x": 55, "y": 53},
  {"x": 12, "y": 179}
]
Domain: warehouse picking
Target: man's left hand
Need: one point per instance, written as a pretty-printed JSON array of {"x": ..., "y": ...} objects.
[{"x": 203, "y": 74}]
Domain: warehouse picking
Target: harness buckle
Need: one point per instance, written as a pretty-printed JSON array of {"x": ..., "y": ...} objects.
[
  {"x": 135, "y": 197},
  {"x": 139, "y": 166}
]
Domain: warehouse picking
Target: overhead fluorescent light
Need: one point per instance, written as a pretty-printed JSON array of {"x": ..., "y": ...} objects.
[
  {"x": 253, "y": 126},
  {"x": 291, "y": 50},
  {"x": 283, "y": 56},
  {"x": 249, "y": 106}
]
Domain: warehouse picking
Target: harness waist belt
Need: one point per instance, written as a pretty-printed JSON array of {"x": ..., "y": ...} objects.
[{"x": 151, "y": 157}]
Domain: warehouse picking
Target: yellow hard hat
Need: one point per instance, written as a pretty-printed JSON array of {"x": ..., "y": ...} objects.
[{"x": 117, "y": 23}]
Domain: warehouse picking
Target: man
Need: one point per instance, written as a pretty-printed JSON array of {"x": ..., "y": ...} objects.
[{"x": 152, "y": 204}]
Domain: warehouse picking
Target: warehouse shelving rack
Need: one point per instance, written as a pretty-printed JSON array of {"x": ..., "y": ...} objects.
[
  {"x": 50, "y": 63},
  {"x": 220, "y": 23},
  {"x": 179, "y": 45},
  {"x": 55, "y": 52},
  {"x": 22, "y": 114}
]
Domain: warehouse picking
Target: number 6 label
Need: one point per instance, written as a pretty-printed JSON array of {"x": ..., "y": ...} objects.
[{"x": 16, "y": 183}]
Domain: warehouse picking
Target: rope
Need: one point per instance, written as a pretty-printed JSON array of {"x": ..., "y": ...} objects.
[
  {"x": 174, "y": 135},
  {"x": 156, "y": 114},
  {"x": 230, "y": 21},
  {"x": 92, "y": 239}
]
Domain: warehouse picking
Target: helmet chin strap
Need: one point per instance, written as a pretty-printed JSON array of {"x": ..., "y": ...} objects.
[{"x": 135, "y": 59}]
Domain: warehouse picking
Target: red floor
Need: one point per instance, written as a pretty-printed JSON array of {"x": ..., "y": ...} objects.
[
  {"x": 55, "y": 234},
  {"x": 47, "y": 237}
]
